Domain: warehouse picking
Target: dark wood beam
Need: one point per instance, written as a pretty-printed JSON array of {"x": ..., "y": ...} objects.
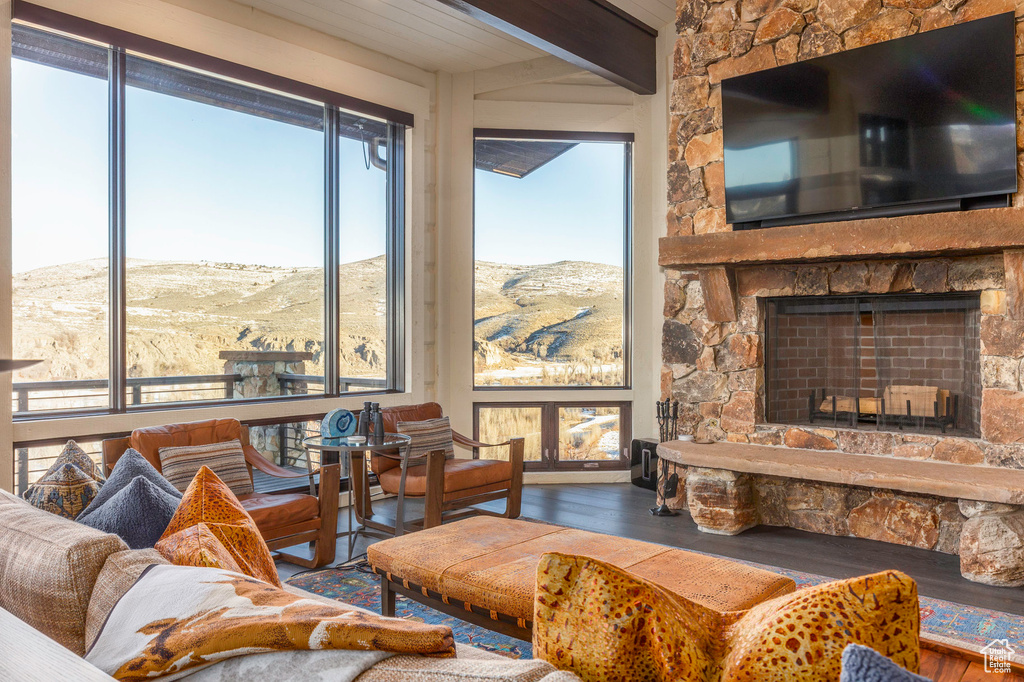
[{"x": 592, "y": 34}]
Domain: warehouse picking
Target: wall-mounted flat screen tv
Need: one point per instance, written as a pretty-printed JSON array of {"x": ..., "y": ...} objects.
[{"x": 918, "y": 124}]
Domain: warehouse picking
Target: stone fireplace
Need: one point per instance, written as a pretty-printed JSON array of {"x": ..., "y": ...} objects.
[{"x": 941, "y": 466}]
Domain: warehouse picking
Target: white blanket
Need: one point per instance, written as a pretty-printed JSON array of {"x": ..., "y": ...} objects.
[{"x": 176, "y": 620}]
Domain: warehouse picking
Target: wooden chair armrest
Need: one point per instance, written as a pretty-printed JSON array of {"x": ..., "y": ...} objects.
[
  {"x": 330, "y": 483},
  {"x": 470, "y": 443},
  {"x": 260, "y": 462}
]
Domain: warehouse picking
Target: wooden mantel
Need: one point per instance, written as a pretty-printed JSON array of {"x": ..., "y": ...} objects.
[{"x": 934, "y": 234}]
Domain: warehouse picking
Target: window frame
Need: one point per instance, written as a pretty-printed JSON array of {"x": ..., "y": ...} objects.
[
  {"x": 119, "y": 45},
  {"x": 549, "y": 433},
  {"x": 627, "y": 140}
]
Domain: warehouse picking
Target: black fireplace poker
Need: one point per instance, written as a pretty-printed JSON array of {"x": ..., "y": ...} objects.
[{"x": 667, "y": 412}]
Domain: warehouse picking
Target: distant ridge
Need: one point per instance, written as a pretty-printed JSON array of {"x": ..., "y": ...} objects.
[{"x": 182, "y": 314}]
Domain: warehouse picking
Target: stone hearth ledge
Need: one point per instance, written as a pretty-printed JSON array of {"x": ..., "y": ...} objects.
[
  {"x": 723, "y": 498},
  {"x": 961, "y": 481}
]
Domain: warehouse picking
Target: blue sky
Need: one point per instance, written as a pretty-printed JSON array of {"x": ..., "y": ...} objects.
[
  {"x": 203, "y": 183},
  {"x": 206, "y": 183},
  {"x": 568, "y": 209}
]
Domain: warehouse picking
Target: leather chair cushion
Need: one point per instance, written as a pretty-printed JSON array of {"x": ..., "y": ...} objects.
[
  {"x": 410, "y": 413},
  {"x": 149, "y": 440},
  {"x": 460, "y": 475},
  {"x": 271, "y": 512},
  {"x": 492, "y": 563}
]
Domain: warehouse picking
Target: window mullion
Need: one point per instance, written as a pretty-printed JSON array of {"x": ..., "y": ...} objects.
[
  {"x": 116, "y": 186},
  {"x": 332, "y": 247},
  {"x": 396, "y": 257},
  {"x": 627, "y": 266},
  {"x": 551, "y": 434}
]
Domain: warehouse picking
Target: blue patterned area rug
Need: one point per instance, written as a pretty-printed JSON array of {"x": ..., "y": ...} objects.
[
  {"x": 356, "y": 585},
  {"x": 946, "y": 622}
]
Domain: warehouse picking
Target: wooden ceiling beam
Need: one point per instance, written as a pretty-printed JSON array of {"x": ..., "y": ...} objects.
[{"x": 592, "y": 34}]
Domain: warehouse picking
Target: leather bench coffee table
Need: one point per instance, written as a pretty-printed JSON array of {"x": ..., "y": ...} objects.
[{"x": 483, "y": 570}]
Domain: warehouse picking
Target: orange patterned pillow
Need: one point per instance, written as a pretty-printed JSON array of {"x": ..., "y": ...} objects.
[
  {"x": 197, "y": 546},
  {"x": 649, "y": 633},
  {"x": 209, "y": 501}
]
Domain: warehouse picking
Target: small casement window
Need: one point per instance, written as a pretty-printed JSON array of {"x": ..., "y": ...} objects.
[{"x": 559, "y": 435}]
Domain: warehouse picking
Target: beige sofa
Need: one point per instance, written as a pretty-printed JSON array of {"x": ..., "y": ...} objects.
[{"x": 63, "y": 579}]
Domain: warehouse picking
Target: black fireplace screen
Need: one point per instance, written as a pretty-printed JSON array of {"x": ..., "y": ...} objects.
[{"x": 887, "y": 362}]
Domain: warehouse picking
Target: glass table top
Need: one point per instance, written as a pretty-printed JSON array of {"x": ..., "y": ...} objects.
[{"x": 317, "y": 441}]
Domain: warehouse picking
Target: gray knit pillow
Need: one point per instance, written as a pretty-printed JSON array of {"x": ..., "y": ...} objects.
[{"x": 864, "y": 664}]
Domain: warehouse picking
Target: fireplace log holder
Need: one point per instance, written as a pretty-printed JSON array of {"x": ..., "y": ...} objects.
[{"x": 850, "y": 410}]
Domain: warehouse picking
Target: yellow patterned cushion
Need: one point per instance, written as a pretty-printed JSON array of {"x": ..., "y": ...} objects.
[
  {"x": 209, "y": 501},
  {"x": 69, "y": 485},
  {"x": 648, "y": 633}
]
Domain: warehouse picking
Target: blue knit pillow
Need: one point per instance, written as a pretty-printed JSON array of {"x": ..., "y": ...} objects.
[
  {"x": 129, "y": 466},
  {"x": 864, "y": 664},
  {"x": 139, "y": 513},
  {"x": 136, "y": 502}
]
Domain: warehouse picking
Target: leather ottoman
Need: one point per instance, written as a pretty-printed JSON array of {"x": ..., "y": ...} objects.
[{"x": 484, "y": 570}]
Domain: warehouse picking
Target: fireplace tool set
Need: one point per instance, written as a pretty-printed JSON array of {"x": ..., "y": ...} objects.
[{"x": 667, "y": 412}]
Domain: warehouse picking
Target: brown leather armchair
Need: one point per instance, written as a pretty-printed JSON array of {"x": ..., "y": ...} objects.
[
  {"x": 446, "y": 484},
  {"x": 284, "y": 519}
]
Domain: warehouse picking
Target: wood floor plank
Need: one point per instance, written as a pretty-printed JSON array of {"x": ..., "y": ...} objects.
[
  {"x": 941, "y": 668},
  {"x": 976, "y": 673}
]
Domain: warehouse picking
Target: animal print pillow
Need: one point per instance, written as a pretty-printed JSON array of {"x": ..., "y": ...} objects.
[
  {"x": 210, "y": 502},
  {"x": 603, "y": 623},
  {"x": 197, "y": 546}
]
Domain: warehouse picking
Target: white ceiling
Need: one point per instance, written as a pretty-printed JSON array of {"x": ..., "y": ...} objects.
[{"x": 426, "y": 33}]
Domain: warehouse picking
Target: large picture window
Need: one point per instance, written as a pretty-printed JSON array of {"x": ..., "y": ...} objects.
[
  {"x": 551, "y": 250},
  {"x": 182, "y": 236}
]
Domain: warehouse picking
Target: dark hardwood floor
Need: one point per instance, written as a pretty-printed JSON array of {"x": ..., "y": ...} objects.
[{"x": 622, "y": 509}]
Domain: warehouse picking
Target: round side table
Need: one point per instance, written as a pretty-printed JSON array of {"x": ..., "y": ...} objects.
[{"x": 332, "y": 450}]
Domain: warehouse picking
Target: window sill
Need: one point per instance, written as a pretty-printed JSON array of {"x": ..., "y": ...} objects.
[{"x": 54, "y": 428}]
